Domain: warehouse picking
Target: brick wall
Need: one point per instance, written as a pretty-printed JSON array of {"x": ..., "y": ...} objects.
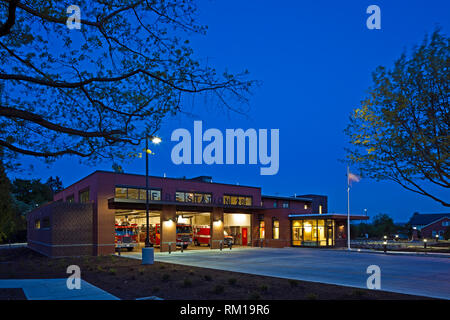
[
  {"x": 437, "y": 226},
  {"x": 70, "y": 231}
]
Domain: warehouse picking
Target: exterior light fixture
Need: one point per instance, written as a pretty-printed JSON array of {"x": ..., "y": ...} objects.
[
  {"x": 385, "y": 237},
  {"x": 424, "y": 243},
  {"x": 156, "y": 140}
]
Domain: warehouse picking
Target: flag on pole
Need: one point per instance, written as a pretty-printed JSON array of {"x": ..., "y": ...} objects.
[
  {"x": 353, "y": 177},
  {"x": 350, "y": 178}
]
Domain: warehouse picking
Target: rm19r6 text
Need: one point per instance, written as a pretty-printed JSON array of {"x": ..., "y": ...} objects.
[{"x": 247, "y": 309}]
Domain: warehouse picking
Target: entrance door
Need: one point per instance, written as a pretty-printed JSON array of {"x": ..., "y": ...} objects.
[
  {"x": 330, "y": 236},
  {"x": 244, "y": 236}
]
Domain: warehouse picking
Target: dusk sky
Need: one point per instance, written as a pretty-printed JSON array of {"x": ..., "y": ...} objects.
[{"x": 314, "y": 60}]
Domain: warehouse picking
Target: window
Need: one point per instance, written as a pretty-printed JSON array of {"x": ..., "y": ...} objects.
[
  {"x": 155, "y": 195},
  {"x": 274, "y": 204},
  {"x": 70, "y": 198},
  {"x": 136, "y": 193},
  {"x": 261, "y": 229},
  {"x": 286, "y": 204},
  {"x": 237, "y": 200},
  {"x": 305, "y": 206},
  {"x": 197, "y": 197},
  {"x": 320, "y": 209},
  {"x": 445, "y": 223},
  {"x": 84, "y": 196},
  {"x": 275, "y": 229},
  {"x": 45, "y": 223},
  {"x": 37, "y": 224},
  {"x": 121, "y": 193}
]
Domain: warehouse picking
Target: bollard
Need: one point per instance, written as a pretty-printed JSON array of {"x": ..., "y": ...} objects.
[
  {"x": 118, "y": 251},
  {"x": 261, "y": 243},
  {"x": 384, "y": 246},
  {"x": 424, "y": 243},
  {"x": 170, "y": 247},
  {"x": 182, "y": 247},
  {"x": 231, "y": 245},
  {"x": 221, "y": 245}
]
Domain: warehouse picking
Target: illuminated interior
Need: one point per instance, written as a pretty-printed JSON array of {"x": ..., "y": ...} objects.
[{"x": 313, "y": 232}]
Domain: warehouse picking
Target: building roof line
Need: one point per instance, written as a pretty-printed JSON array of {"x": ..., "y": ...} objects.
[
  {"x": 286, "y": 198},
  {"x": 157, "y": 177}
]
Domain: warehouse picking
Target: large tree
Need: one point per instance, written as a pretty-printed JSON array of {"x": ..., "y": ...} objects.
[
  {"x": 7, "y": 213},
  {"x": 93, "y": 91},
  {"x": 401, "y": 130}
]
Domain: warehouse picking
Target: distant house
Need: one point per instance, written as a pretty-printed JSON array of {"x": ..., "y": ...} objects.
[{"x": 430, "y": 224}]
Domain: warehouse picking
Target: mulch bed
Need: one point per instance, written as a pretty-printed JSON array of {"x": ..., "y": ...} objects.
[
  {"x": 128, "y": 279},
  {"x": 12, "y": 294}
]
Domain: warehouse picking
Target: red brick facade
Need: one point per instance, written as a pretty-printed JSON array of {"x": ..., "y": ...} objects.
[
  {"x": 437, "y": 227},
  {"x": 89, "y": 228},
  {"x": 61, "y": 229}
]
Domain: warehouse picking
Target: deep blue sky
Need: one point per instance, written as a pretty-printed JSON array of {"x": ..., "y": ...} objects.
[{"x": 314, "y": 59}]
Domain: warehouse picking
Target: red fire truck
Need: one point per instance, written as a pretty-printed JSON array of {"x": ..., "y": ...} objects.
[
  {"x": 126, "y": 236},
  {"x": 202, "y": 235},
  {"x": 184, "y": 235}
]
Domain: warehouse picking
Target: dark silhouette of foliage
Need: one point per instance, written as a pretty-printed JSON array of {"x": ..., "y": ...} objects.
[{"x": 401, "y": 130}]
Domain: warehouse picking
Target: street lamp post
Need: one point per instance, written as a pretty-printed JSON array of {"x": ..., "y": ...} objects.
[
  {"x": 147, "y": 252},
  {"x": 147, "y": 231}
]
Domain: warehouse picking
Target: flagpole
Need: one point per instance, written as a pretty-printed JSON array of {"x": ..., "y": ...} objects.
[{"x": 348, "y": 209}]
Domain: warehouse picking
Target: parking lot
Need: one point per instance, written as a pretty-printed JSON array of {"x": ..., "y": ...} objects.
[{"x": 425, "y": 276}]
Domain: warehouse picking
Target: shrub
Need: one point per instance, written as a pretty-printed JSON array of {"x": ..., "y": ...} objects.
[
  {"x": 112, "y": 271},
  {"x": 218, "y": 289},
  {"x": 187, "y": 283},
  {"x": 293, "y": 283},
  {"x": 232, "y": 281},
  {"x": 207, "y": 277},
  {"x": 254, "y": 296},
  {"x": 358, "y": 293},
  {"x": 311, "y": 296},
  {"x": 264, "y": 288},
  {"x": 165, "y": 277},
  {"x": 155, "y": 289},
  {"x": 141, "y": 271}
]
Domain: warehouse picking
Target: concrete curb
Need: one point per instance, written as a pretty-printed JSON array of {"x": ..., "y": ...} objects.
[{"x": 403, "y": 253}]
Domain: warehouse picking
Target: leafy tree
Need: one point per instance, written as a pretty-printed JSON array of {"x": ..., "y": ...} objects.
[
  {"x": 117, "y": 168},
  {"x": 55, "y": 184},
  {"x": 362, "y": 229},
  {"x": 401, "y": 130},
  {"x": 7, "y": 214},
  {"x": 383, "y": 225},
  {"x": 93, "y": 92},
  {"x": 31, "y": 192},
  {"x": 447, "y": 233}
]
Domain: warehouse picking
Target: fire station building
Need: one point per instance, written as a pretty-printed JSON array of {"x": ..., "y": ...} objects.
[{"x": 82, "y": 219}]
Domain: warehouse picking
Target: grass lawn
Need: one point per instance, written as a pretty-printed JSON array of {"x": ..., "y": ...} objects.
[{"x": 128, "y": 279}]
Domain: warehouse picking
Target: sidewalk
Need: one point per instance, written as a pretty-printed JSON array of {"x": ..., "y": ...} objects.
[
  {"x": 403, "y": 253},
  {"x": 56, "y": 289}
]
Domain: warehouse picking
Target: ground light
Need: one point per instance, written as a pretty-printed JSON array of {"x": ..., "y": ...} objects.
[
  {"x": 424, "y": 243},
  {"x": 148, "y": 254}
]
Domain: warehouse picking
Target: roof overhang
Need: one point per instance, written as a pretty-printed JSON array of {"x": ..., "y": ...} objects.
[
  {"x": 336, "y": 216},
  {"x": 132, "y": 204}
]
